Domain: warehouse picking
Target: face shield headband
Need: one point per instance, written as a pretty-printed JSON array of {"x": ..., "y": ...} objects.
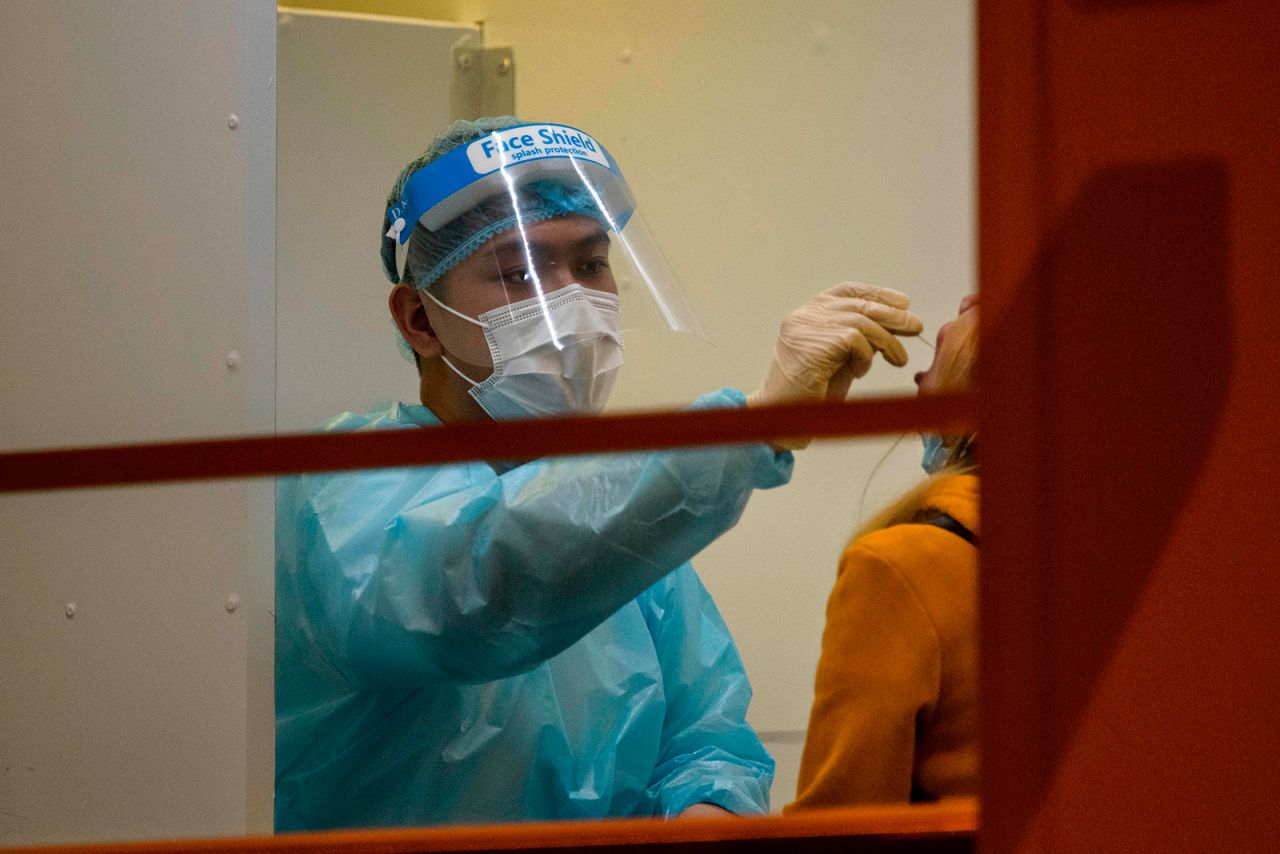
[{"x": 505, "y": 163}]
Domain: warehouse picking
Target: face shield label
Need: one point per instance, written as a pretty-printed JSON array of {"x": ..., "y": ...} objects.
[{"x": 528, "y": 142}]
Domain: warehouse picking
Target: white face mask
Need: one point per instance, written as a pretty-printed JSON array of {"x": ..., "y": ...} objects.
[{"x": 553, "y": 355}]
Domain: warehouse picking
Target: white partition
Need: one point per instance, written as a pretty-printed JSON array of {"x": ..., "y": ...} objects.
[
  {"x": 137, "y": 271},
  {"x": 359, "y": 97}
]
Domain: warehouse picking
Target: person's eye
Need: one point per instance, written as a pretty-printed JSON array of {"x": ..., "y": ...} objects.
[
  {"x": 520, "y": 276},
  {"x": 595, "y": 266}
]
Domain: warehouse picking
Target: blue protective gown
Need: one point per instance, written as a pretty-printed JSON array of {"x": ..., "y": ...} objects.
[{"x": 457, "y": 646}]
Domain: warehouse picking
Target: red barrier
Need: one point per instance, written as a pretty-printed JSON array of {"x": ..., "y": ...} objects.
[
  {"x": 948, "y": 827},
  {"x": 279, "y": 455}
]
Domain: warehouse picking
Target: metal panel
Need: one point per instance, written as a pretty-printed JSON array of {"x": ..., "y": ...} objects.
[{"x": 136, "y": 232}]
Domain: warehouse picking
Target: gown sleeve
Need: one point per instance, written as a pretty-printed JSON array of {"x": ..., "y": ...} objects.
[
  {"x": 397, "y": 580},
  {"x": 709, "y": 753}
]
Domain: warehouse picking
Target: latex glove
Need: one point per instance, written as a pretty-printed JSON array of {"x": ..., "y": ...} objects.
[{"x": 827, "y": 343}]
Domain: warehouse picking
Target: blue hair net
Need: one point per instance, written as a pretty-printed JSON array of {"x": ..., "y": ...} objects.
[{"x": 431, "y": 254}]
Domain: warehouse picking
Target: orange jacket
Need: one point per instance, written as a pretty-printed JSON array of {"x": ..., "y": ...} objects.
[{"x": 896, "y": 697}]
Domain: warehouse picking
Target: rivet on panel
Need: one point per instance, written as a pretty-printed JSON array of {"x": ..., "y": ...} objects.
[
  {"x": 233, "y": 603},
  {"x": 465, "y": 61},
  {"x": 233, "y": 121},
  {"x": 504, "y": 65},
  {"x": 625, "y": 56},
  {"x": 233, "y": 360},
  {"x": 70, "y": 610}
]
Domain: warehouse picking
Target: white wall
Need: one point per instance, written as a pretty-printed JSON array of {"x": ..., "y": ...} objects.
[{"x": 136, "y": 253}]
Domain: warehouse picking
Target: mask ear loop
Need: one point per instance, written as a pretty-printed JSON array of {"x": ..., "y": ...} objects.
[
  {"x": 451, "y": 367},
  {"x": 468, "y": 319}
]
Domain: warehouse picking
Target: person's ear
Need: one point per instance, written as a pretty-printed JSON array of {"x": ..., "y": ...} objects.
[{"x": 410, "y": 316}]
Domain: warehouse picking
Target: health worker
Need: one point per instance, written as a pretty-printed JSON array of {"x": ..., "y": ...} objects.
[{"x": 499, "y": 641}]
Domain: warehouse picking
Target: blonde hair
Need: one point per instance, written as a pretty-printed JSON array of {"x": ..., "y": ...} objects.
[{"x": 957, "y": 370}]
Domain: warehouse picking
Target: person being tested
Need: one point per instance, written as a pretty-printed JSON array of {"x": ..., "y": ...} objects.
[
  {"x": 895, "y": 709},
  {"x": 507, "y": 641}
]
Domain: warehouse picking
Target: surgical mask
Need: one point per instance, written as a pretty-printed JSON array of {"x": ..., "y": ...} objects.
[
  {"x": 552, "y": 355},
  {"x": 936, "y": 453}
]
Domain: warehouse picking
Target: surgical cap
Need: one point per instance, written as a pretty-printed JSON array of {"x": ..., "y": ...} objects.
[{"x": 431, "y": 254}]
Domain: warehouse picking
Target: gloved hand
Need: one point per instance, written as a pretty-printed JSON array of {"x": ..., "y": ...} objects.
[{"x": 827, "y": 343}]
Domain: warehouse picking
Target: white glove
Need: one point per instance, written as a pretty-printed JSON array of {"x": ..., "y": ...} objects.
[{"x": 827, "y": 343}]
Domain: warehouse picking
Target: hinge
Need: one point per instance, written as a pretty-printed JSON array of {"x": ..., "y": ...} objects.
[{"x": 484, "y": 82}]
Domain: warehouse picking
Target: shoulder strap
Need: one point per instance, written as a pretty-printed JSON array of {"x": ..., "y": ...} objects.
[{"x": 949, "y": 523}]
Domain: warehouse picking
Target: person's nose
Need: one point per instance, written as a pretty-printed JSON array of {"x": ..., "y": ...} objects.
[{"x": 553, "y": 277}]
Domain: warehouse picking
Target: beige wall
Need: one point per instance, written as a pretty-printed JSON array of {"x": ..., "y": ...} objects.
[{"x": 775, "y": 149}]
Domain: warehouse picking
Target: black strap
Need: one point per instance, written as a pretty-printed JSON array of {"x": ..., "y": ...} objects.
[{"x": 947, "y": 522}]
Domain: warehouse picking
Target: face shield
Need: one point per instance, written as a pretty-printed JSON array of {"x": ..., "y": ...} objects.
[
  {"x": 527, "y": 242},
  {"x": 485, "y": 215}
]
